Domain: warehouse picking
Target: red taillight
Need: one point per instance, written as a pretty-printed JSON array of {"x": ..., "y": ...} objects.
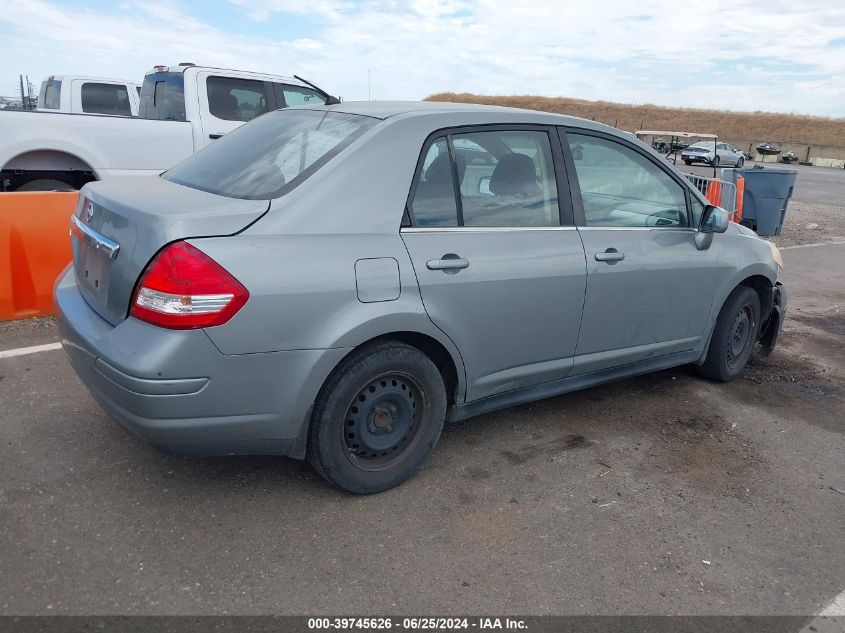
[{"x": 183, "y": 289}]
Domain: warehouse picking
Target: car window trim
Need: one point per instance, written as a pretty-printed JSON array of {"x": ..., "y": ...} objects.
[
  {"x": 575, "y": 186},
  {"x": 456, "y": 182},
  {"x": 561, "y": 174}
]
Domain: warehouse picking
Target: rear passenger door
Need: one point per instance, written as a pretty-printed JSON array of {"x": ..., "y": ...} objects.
[
  {"x": 500, "y": 267},
  {"x": 228, "y": 102}
]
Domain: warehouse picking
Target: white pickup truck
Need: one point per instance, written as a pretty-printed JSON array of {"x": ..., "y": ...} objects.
[
  {"x": 89, "y": 95},
  {"x": 182, "y": 109}
]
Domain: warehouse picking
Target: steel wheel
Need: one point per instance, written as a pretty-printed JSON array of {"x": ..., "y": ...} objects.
[
  {"x": 740, "y": 336},
  {"x": 378, "y": 416},
  {"x": 380, "y": 421},
  {"x": 736, "y": 331}
]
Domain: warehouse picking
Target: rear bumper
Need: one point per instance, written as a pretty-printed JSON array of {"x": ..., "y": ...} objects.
[
  {"x": 774, "y": 324},
  {"x": 176, "y": 390}
]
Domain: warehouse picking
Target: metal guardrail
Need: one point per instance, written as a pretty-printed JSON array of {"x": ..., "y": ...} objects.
[{"x": 717, "y": 191}]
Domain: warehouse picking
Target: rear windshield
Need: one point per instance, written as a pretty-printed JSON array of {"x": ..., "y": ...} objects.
[
  {"x": 49, "y": 96},
  {"x": 269, "y": 156},
  {"x": 163, "y": 97}
]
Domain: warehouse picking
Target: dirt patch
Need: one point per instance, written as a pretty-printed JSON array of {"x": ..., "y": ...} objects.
[
  {"x": 795, "y": 388},
  {"x": 531, "y": 451},
  {"x": 797, "y": 374},
  {"x": 706, "y": 454},
  {"x": 830, "y": 323}
]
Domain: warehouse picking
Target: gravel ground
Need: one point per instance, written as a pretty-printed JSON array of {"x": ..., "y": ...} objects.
[{"x": 811, "y": 223}]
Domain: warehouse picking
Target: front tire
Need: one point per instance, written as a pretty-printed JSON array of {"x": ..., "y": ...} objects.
[
  {"x": 715, "y": 162},
  {"x": 740, "y": 162},
  {"x": 377, "y": 418},
  {"x": 734, "y": 336}
]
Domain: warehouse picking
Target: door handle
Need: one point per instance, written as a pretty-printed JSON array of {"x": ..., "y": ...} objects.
[
  {"x": 214, "y": 137},
  {"x": 448, "y": 263},
  {"x": 610, "y": 256}
]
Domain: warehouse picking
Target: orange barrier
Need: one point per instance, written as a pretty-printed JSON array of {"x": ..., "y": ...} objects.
[
  {"x": 34, "y": 249},
  {"x": 714, "y": 192},
  {"x": 740, "y": 192}
]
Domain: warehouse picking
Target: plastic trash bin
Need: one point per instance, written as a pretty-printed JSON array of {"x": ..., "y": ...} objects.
[{"x": 767, "y": 194}]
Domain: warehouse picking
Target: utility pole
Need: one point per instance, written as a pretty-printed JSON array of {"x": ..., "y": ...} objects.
[
  {"x": 23, "y": 96},
  {"x": 30, "y": 105}
]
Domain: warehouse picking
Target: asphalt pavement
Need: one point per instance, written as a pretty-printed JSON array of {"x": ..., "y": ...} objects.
[
  {"x": 664, "y": 494},
  {"x": 818, "y": 185}
]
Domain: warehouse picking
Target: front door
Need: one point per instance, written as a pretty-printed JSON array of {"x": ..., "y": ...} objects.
[
  {"x": 498, "y": 271},
  {"x": 649, "y": 289}
]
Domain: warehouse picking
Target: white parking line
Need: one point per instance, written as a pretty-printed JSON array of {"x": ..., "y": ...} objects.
[
  {"x": 784, "y": 248},
  {"x": 830, "y": 619},
  {"x": 23, "y": 351},
  {"x": 835, "y": 608}
]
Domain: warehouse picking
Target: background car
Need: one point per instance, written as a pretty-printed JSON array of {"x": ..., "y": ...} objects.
[
  {"x": 702, "y": 152},
  {"x": 336, "y": 282}
]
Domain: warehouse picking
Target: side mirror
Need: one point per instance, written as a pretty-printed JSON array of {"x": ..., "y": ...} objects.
[{"x": 714, "y": 220}]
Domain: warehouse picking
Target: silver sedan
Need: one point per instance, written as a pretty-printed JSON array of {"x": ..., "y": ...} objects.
[
  {"x": 338, "y": 282},
  {"x": 724, "y": 155}
]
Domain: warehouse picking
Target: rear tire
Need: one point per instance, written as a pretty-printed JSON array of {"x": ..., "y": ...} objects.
[
  {"x": 377, "y": 418},
  {"x": 46, "y": 184},
  {"x": 734, "y": 336}
]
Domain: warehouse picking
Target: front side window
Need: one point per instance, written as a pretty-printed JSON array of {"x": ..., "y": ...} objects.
[
  {"x": 620, "y": 187},
  {"x": 505, "y": 179},
  {"x": 105, "y": 99},
  {"x": 271, "y": 155},
  {"x": 296, "y": 95},
  {"x": 235, "y": 99}
]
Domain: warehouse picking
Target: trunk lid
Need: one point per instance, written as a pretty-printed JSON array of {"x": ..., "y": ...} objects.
[{"x": 121, "y": 223}]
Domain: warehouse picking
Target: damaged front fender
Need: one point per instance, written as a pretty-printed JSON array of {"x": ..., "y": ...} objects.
[{"x": 770, "y": 331}]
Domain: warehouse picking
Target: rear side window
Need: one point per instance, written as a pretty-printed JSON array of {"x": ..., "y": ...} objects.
[
  {"x": 505, "y": 179},
  {"x": 270, "y": 156},
  {"x": 105, "y": 99},
  {"x": 434, "y": 201},
  {"x": 235, "y": 99},
  {"x": 49, "y": 97},
  {"x": 163, "y": 97}
]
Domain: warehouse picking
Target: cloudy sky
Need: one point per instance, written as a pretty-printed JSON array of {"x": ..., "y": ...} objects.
[{"x": 778, "y": 55}]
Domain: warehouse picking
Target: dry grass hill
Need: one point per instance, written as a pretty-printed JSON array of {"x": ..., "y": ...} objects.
[{"x": 738, "y": 127}]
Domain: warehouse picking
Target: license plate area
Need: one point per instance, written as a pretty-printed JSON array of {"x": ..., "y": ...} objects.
[{"x": 92, "y": 272}]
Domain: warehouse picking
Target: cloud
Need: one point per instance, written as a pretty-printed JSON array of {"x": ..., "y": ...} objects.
[
  {"x": 262, "y": 11},
  {"x": 754, "y": 55}
]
